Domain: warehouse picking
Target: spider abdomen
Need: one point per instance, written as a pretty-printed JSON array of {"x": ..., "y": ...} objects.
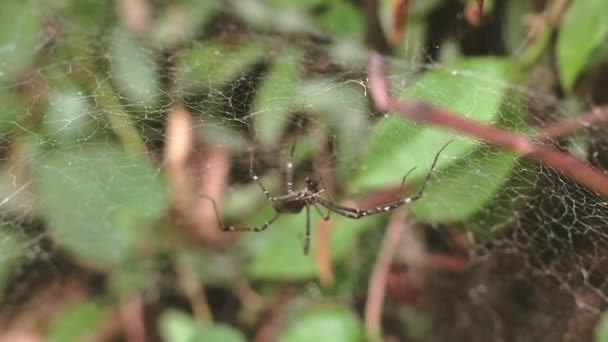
[{"x": 289, "y": 204}]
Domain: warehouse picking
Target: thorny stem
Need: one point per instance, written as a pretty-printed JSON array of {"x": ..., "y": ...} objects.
[{"x": 422, "y": 112}]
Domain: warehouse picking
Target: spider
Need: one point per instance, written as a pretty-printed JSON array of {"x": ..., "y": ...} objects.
[{"x": 294, "y": 201}]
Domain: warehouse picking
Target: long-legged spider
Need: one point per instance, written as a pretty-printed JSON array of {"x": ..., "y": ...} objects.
[{"x": 294, "y": 202}]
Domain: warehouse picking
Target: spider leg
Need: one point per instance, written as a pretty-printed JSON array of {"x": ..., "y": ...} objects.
[
  {"x": 355, "y": 213},
  {"x": 325, "y": 217},
  {"x": 264, "y": 190},
  {"x": 307, "y": 235},
  {"x": 289, "y": 168},
  {"x": 403, "y": 180},
  {"x": 238, "y": 229}
]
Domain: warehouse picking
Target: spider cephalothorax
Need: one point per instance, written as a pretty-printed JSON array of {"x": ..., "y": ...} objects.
[
  {"x": 294, "y": 202},
  {"x": 311, "y": 185}
]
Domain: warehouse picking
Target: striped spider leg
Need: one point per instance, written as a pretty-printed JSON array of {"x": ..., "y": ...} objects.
[{"x": 293, "y": 202}]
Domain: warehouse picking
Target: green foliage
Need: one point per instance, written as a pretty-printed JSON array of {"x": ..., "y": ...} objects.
[
  {"x": 94, "y": 212},
  {"x": 396, "y": 145},
  {"x": 276, "y": 98},
  {"x": 20, "y": 23},
  {"x": 84, "y": 103},
  {"x": 14, "y": 248},
  {"x": 11, "y": 109},
  {"x": 136, "y": 70},
  {"x": 582, "y": 31},
  {"x": 342, "y": 18},
  {"x": 601, "y": 330},
  {"x": 67, "y": 118},
  {"x": 179, "y": 327},
  {"x": 319, "y": 323},
  {"x": 343, "y": 109},
  {"x": 170, "y": 30},
  {"x": 443, "y": 198},
  {"x": 76, "y": 322},
  {"x": 277, "y": 254},
  {"x": 211, "y": 64}
]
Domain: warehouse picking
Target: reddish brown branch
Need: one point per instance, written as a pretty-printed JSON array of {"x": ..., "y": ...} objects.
[
  {"x": 132, "y": 319},
  {"x": 569, "y": 126},
  {"x": 473, "y": 12},
  {"x": 322, "y": 255},
  {"x": 377, "y": 283},
  {"x": 422, "y": 112},
  {"x": 399, "y": 11},
  {"x": 184, "y": 157},
  {"x": 135, "y": 14}
]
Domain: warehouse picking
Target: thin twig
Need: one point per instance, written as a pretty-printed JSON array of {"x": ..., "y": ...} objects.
[
  {"x": 422, "y": 112},
  {"x": 377, "y": 284},
  {"x": 184, "y": 157},
  {"x": 569, "y": 126},
  {"x": 191, "y": 287},
  {"x": 399, "y": 12},
  {"x": 269, "y": 327},
  {"x": 473, "y": 12},
  {"x": 134, "y": 14},
  {"x": 322, "y": 257},
  {"x": 132, "y": 319}
]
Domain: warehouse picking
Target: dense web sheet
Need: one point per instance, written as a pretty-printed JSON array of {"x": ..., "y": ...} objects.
[{"x": 83, "y": 172}]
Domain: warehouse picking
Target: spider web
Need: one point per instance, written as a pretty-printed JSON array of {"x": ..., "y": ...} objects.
[{"x": 64, "y": 119}]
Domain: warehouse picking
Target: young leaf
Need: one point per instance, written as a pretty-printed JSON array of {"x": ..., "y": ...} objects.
[
  {"x": 176, "y": 326},
  {"x": 276, "y": 98},
  {"x": 76, "y": 322},
  {"x": 582, "y": 30},
  {"x": 135, "y": 70},
  {"x": 98, "y": 200},
  {"x": 317, "y": 324},
  {"x": 20, "y": 26}
]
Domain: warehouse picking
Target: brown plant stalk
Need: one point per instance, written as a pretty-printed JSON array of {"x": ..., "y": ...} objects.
[
  {"x": 422, "y": 112},
  {"x": 377, "y": 283}
]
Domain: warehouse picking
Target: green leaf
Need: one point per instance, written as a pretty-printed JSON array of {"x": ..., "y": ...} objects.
[
  {"x": 396, "y": 145},
  {"x": 180, "y": 21},
  {"x": 278, "y": 253},
  {"x": 601, "y": 329},
  {"x": 85, "y": 16},
  {"x": 515, "y": 32},
  {"x": 583, "y": 29},
  {"x": 457, "y": 193},
  {"x": 211, "y": 64},
  {"x": 498, "y": 211},
  {"x": 98, "y": 200},
  {"x": 317, "y": 324},
  {"x": 176, "y": 326},
  {"x": 276, "y": 97},
  {"x": 272, "y": 15},
  {"x": 342, "y": 18},
  {"x": 343, "y": 108},
  {"x": 134, "y": 68},
  {"x": 69, "y": 118},
  {"x": 76, "y": 321},
  {"x": 15, "y": 248},
  {"x": 131, "y": 276},
  {"x": 11, "y": 111},
  {"x": 20, "y": 27}
]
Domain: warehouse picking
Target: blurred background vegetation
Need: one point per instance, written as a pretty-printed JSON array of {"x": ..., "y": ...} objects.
[{"x": 116, "y": 115}]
